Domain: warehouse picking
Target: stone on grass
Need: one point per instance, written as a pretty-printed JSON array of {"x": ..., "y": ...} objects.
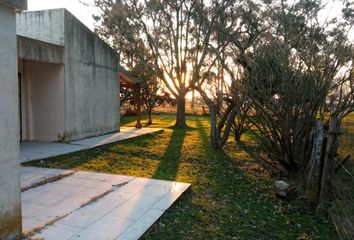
[{"x": 281, "y": 188}]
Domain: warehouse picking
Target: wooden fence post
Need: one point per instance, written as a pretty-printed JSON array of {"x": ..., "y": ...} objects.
[
  {"x": 330, "y": 154},
  {"x": 313, "y": 181}
]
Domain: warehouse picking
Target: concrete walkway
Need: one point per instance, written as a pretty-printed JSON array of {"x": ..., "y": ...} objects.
[
  {"x": 39, "y": 150},
  {"x": 88, "y": 205}
]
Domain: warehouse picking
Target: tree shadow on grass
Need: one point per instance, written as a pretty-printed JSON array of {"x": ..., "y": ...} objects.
[
  {"x": 232, "y": 191},
  {"x": 125, "y": 120},
  {"x": 241, "y": 205},
  {"x": 80, "y": 159},
  {"x": 168, "y": 166},
  {"x": 255, "y": 151}
]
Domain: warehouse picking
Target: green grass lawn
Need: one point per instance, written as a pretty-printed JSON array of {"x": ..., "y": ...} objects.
[{"x": 229, "y": 197}]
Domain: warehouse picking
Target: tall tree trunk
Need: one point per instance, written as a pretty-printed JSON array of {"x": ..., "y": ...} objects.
[
  {"x": 150, "y": 118},
  {"x": 181, "y": 112},
  {"x": 137, "y": 94},
  {"x": 237, "y": 133},
  {"x": 227, "y": 123},
  {"x": 192, "y": 104},
  {"x": 213, "y": 131},
  {"x": 218, "y": 137}
]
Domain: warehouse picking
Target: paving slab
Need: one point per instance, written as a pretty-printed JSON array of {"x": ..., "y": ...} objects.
[
  {"x": 125, "y": 133},
  {"x": 57, "y": 231},
  {"x": 30, "y": 151},
  {"x": 31, "y": 176},
  {"x": 40, "y": 150},
  {"x": 87, "y": 205}
]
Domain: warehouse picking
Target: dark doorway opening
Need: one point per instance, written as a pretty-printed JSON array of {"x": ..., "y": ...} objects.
[{"x": 20, "y": 104}]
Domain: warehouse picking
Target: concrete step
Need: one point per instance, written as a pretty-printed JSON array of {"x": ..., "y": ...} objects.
[{"x": 87, "y": 205}]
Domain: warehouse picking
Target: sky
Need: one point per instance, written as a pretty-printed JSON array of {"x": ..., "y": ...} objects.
[
  {"x": 85, "y": 11},
  {"x": 82, "y": 12}
]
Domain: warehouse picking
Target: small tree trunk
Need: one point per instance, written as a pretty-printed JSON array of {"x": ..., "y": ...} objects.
[
  {"x": 331, "y": 151},
  {"x": 228, "y": 124},
  {"x": 138, "y": 106},
  {"x": 213, "y": 130},
  {"x": 237, "y": 131},
  {"x": 150, "y": 118},
  {"x": 237, "y": 136},
  {"x": 313, "y": 181},
  {"x": 181, "y": 112},
  {"x": 213, "y": 120},
  {"x": 192, "y": 104},
  {"x": 218, "y": 137}
]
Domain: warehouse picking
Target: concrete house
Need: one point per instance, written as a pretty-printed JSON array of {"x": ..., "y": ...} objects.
[
  {"x": 59, "y": 81},
  {"x": 10, "y": 201},
  {"x": 68, "y": 79}
]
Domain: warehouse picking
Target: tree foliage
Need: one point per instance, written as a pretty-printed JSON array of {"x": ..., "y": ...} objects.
[
  {"x": 175, "y": 33},
  {"x": 275, "y": 67},
  {"x": 290, "y": 77}
]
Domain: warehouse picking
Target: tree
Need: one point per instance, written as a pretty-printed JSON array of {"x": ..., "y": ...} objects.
[
  {"x": 244, "y": 109},
  {"x": 127, "y": 100},
  {"x": 221, "y": 79},
  {"x": 153, "y": 95},
  {"x": 175, "y": 32},
  {"x": 291, "y": 75},
  {"x": 222, "y": 110},
  {"x": 151, "y": 92}
]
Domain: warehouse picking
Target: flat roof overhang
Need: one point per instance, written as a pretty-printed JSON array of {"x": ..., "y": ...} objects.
[
  {"x": 15, "y": 4},
  {"x": 35, "y": 50}
]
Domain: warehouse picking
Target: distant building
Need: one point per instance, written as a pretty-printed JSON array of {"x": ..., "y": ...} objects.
[
  {"x": 68, "y": 79},
  {"x": 59, "y": 82}
]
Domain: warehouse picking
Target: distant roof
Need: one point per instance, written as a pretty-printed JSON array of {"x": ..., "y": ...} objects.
[{"x": 126, "y": 78}]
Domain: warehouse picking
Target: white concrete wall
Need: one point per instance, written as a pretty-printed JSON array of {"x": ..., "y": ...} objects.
[
  {"x": 91, "y": 71},
  {"x": 42, "y": 101},
  {"x": 92, "y": 85},
  {"x": 10, "y": 202},
  {"x": 46, "y": 26}
]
